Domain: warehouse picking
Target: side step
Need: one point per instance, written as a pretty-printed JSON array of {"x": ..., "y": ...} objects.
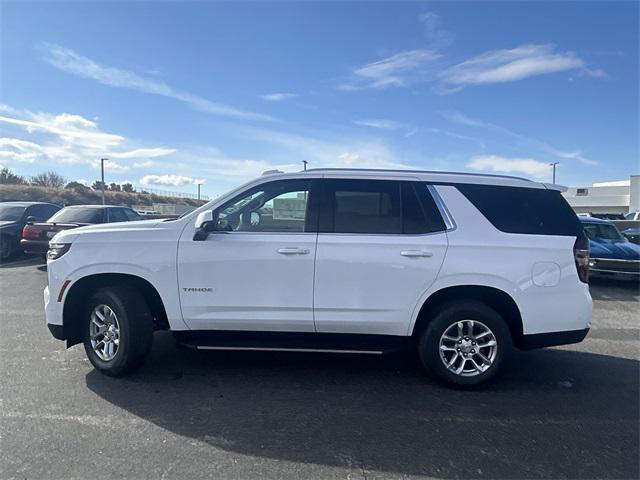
[{"x": 291, "y": 341}]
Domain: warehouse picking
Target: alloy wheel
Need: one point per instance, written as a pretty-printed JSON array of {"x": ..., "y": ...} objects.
[{"x": 468, "y": 348}]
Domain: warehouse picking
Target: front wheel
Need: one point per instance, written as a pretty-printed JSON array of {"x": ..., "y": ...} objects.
[
  {"x": 464, "y": 345},
  {"x": 118, "y": 330}
]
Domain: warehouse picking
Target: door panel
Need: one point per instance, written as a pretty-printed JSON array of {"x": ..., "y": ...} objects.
[
  {"x": 365, "y": 284},
  {"x": 240, "y": 281}
]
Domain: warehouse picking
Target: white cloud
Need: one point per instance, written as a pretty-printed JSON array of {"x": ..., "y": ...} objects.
[
  {"x": 278, "y": 97},
  {"x": 399, "y": 70},
  {"x": 461, "y": 119},
  {"x": 593, "y": 73},
  {"x": 66, "y": 139},
  {"x": 169, "y": 180},
  {"x": 69, "y": 61},
  {"x": 326, "y": 150},
  {"x": 434, "y": 32},
  {"x": 142, "y": 153},
  {"x": 495, "y": 163},
  {"x": 379, "y": 123},
  {"x": 508, "y": 65}
]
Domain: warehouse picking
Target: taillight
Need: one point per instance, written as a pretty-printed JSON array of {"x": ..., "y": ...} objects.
[
  {"x": 29, "y": 231},
  {"x": 581, "y": 256}
]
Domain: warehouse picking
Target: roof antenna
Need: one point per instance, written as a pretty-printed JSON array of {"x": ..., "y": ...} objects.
[{"x": 304, "y": 165}]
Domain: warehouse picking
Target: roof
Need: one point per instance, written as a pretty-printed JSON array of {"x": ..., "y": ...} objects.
[
  {"x": 434, "y": 176},
  {"x": 96, "y": 206}
]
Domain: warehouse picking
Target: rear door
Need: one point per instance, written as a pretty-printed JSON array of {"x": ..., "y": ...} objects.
[{"x": 380, "y": 246}]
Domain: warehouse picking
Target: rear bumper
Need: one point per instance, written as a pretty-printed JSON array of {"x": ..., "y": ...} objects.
[
  {"x": 34, "y": 246},
  {"x": 541, "y": 340}
]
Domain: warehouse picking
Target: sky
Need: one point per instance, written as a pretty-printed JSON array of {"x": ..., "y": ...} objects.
[{"x": 175, "y": 93}]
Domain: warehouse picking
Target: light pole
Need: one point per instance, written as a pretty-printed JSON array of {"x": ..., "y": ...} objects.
[
  {"x": 102, "y": 160},
  {"x": 304, "y": 165},
  {"x": 199, "y": 184},
  {"x": 553, "y": 165}
]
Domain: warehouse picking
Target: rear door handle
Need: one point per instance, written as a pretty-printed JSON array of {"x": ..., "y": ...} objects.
[
  {"x": 293, "y": 251},
  {"x": 415, "y": 253}
]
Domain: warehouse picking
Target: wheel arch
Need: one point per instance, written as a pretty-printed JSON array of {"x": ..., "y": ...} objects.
[
  {"x": 82, "y": 288},
  {"x": 497, "y": 299}
]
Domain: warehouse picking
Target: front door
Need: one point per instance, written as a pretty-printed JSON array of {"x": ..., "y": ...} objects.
[{"x": 256, "y": 271}]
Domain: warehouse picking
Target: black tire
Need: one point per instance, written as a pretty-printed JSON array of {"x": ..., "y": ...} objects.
[
  {"x": 6, "y": 248},
  {"x": 135, "y": 329},
  {"x": 429, "y": 344}
]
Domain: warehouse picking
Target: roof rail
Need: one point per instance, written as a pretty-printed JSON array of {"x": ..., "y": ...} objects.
[{"x": 434, "y": 172}]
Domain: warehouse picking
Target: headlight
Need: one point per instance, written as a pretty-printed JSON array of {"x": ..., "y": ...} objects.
[{"x": 56, "y": 250}]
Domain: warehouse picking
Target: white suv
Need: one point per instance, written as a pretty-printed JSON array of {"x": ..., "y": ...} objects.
[{"x": 459, "y": 266}]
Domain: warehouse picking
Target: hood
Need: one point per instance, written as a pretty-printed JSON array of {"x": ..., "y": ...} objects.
[
  {"x": 614, "y": 249},
  {"x": 119, "y": 229}
]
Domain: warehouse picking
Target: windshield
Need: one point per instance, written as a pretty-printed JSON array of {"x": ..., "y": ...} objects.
[
  {"x": 11, "y": 213},
  {"x": 77, "y": 215},
  {"x": 598, "y": 231}
]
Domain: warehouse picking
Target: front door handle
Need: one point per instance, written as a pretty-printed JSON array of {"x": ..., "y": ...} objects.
[
  {"x": 415, "y": 253},
  {"x": 293, "y": 251}
]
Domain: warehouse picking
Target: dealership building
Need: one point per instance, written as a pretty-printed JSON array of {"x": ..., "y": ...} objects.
[{"x": 606, "y": 197}]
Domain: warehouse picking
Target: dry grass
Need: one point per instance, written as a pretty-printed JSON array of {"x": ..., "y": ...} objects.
[{"x": 84, "y": 196}]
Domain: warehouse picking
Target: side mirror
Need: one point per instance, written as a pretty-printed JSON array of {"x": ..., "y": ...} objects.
[
  {"x": 204, "y": 220},
  {"x": 31, "y": 219}
]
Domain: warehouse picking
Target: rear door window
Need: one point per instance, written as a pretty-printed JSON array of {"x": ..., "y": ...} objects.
[
  {"x": 117, "y": 215},
  {"x": 361, "y": 206},
  {"x": 378, "y": 207}
]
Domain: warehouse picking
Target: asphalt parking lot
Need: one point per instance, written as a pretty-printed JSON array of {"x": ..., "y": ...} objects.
[{"x": 555, "y": 413}]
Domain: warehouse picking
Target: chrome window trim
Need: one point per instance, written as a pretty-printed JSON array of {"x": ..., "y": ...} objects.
[{"x": 449, "y": 222}]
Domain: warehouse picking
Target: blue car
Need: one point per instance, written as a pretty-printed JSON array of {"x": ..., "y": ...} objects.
[{"x": 610, "y": 253}]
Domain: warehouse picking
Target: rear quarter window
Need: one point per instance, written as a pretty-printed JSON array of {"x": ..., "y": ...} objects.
[{"x": 533, "y": 211}]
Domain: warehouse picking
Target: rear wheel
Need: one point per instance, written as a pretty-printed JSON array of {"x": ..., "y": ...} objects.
[
  {"x": 463, "y": 346},
  {"x": 117, "y": 330}
]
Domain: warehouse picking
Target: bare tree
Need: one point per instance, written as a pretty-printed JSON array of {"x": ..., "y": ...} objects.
[
  {"x": 128, "y": 188},
  {"x": 48, "y": 179},
  {"x": 8, "y": 177}
]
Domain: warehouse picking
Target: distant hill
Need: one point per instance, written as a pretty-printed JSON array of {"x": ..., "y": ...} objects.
[{"x": 81, "y": 195}]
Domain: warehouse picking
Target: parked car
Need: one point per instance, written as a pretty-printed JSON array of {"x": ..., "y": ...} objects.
[
  {"x": 611, "y": 254},
  {"x": 457, "y": 266},
  {"x": 632, "y": 234},
  {"x": 14, "y": 216},
  {"x": 36, "y": 236},
  {"x": 633, "y": 215}
]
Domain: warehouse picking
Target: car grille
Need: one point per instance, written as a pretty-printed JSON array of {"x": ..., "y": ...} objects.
[{"x": 615, "y": 266}]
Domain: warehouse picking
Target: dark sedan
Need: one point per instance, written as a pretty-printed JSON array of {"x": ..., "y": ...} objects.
[
  {"x": 13, "y": 218},
  {"x": 611, "y": 254},
  {"x": 36, "y": 236}
]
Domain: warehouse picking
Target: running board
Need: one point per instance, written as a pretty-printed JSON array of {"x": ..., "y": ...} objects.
[
  {"x": 291, "y": 341},
  {"x": 284, "y": 349}
]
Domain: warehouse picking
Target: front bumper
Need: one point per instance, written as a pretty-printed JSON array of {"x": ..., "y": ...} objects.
[{"x": 614, "y": 267}]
